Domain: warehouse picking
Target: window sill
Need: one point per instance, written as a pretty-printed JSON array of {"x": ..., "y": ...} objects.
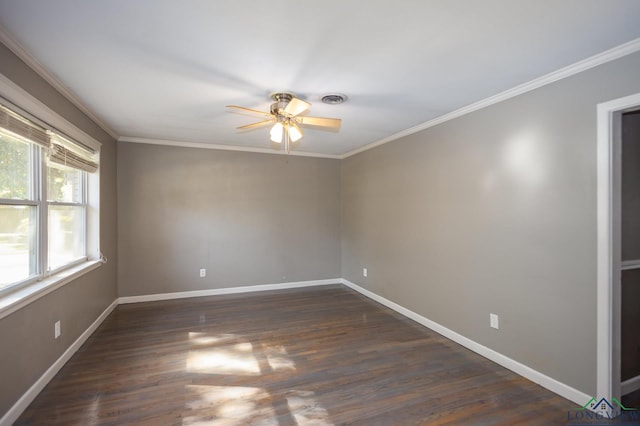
[{"x": 20, "y": 298}]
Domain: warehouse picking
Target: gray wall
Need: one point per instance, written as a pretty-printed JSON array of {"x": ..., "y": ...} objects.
[
  {"x": 28, "y": 347},
  {"x": 493, "y": 212},
  {"x": 247, "y": 218}
]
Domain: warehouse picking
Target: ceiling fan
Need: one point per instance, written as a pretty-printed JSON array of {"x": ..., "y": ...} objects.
[{"x": 286, "y": 114}]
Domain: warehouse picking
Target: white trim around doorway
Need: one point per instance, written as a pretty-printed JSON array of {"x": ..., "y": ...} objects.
[{"x": 608, "y": 145}]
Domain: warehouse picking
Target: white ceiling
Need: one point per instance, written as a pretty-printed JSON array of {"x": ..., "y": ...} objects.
[{"x": 163, "y": 69}]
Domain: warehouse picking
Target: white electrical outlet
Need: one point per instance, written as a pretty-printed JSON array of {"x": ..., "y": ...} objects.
[
  {"x": 203, "y": 273},
  {"x": 364, "y": 272},
  {"x": 494, "y": 321},
  {"x": 56, "y": 330}
]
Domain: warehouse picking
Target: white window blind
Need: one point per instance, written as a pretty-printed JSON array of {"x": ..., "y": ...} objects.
[
  {"x": 68, "y": 153},
  {"x": 23, "y": 128}
]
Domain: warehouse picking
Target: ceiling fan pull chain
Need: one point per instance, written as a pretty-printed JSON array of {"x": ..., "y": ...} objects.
[{"x": 286, "y": 140}]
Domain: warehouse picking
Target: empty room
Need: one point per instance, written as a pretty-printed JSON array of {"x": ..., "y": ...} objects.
[{"x": 341, "y": 212}]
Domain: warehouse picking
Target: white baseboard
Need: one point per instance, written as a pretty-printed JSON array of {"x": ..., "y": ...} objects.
[
  {"x": 226, "y": 290},
  {"x": 18, "y": 408},
  {"x": 535, "y": 376}
]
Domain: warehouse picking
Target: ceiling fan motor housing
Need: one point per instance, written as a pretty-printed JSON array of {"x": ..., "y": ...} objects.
[{"x": 281, "y": 100}]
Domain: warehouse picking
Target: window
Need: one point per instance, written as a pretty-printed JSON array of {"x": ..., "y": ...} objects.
[
  {"x": 44, "y": 186},
  {"x": 66, "y": 214},
  {"x": 18, "y": 206}
]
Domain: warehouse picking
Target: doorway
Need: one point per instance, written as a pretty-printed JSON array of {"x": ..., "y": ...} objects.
[
  {"x": 630, "y": 261},
  {"x": 618, "y": 266}
]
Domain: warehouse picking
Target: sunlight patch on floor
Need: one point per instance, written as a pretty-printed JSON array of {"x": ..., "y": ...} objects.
[
  {"x": 238, "y": 405},
  {"x": 306, "y": 410},
  {"x": 223, "y": 360},
  {"x": 229, "y": 406},
  {"x": 232, "y": 355},
  {"x": 221, "y": 354},
  {"x": 93, "y": 413},
  {"x": 200, "y": 338},
  {"x": 278, "y": 358}
]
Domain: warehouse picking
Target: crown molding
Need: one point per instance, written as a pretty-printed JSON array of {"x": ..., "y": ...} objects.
[
  {"x": 35, "y": 65},
  {"x": 575, "y": 68},
  {"x": 202, "y": 145}
]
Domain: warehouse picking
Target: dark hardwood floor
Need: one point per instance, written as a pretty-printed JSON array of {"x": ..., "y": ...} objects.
[{"x": 313, "y": 356}]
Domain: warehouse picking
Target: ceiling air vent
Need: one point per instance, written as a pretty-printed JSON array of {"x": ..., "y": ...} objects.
[{"x": 334, "y": 98}]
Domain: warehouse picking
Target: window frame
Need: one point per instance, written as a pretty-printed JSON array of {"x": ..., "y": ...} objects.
[
  {"x": 21, "y": 293},
  {"x": 45, "y": 262},
  {"x": 34, "y": 200},
  {"x": 38, "y": 197}
]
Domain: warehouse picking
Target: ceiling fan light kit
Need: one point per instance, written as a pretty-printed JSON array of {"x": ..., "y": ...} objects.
[
  {"x": 295, "y": 132},
  {"x": 286, "y": 114},
  {"x": 277, "y": 131}
]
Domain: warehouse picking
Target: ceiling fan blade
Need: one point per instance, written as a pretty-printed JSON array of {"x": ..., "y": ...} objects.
[
  {"x": 254, "y": 125},
  {"x": 332, "y": 123},
  {"x": 296, "y": 106},
  {"x": 253, "y": 111}
]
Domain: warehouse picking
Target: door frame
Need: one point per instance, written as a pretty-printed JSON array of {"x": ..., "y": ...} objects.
[{"x": 609, "y": 164}]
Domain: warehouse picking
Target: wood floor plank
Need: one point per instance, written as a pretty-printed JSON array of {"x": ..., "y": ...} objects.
[{"x": 314, "y": 356}]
